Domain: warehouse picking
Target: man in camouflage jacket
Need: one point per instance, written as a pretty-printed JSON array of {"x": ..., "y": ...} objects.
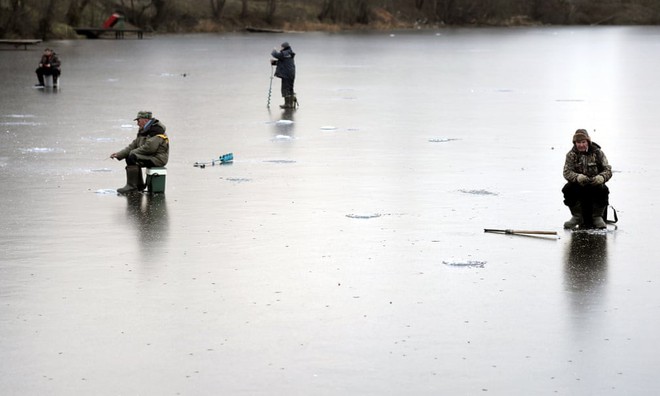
[
  {"x": 150, "y": 148},
  {"x": 586, "y": 170}
]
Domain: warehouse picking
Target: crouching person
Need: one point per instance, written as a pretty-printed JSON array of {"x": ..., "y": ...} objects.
[
  {"x": 150, "y": 148},
  {"x": 586, "y": 170}
]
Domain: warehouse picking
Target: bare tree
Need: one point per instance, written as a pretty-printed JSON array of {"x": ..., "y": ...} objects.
[
  {"x": 348, "y": 11},
  {"x": 244, "y": 9},
  {"x": 14, "y": 14},
  {"x": 216, "y": 8},
  {"x": 45, "y": 27},
  {"x": 75, "y": 10},
  {"x": 270, "y": 13},
  {"x": 161, "y": 14},
  {"x": 135, "y": 10}
]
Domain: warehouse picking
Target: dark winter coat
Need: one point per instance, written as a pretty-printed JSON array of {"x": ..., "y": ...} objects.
[
  {"x": 151, "y": 144},
  {"x": 286, "y": 67},
  {"x": 591, "y": 163},
  {"x": 51, "y": 60}
]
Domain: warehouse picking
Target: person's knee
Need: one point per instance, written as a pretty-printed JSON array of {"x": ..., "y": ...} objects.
[{"x": 132, "y": 159}]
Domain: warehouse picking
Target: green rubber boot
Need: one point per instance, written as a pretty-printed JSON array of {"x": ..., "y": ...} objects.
[
  {"x": 597, "y": 217},
  {"x": 134, "y": 181},
  {"x": 576, "y": 218}
]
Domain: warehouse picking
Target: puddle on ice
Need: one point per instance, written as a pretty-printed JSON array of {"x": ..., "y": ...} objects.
[
  {"x": 281, "y": 161},
  {"x": 366, "y": 216},
  {"x": 20, "y": 123},
  {"x": 281, "y": 138},
  {"x": 101, "y": 170},
  {"x": 238, "y": 179},
  {"x": 593, "y": 231},
  {"x": 441, "y": 140},
  {"x": 465, "y": 264},
  {"x": 43, "y": 150},
  {"x": 283, "y": 122},
  {"x": 106, "y": 191},
  {"x": 328, "y": 128},
  {"x": 173, "y": 74},
  {"x": 99, "y": 139},
  {"x": 477, "y": 192}
]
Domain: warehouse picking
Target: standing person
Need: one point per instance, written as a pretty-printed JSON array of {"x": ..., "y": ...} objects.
[
  {"x": 150, "y": 148},
  {"x": 286, "y": 70},
  {"x": 49, "y": 65},
  {"x": 586, "y": 170}
]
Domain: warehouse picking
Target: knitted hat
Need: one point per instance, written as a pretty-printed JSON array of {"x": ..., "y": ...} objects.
[
  {"x": 285, "y": 45},
  {"x": 581, "y": 134},
  {"x": 143, "y": 114}
]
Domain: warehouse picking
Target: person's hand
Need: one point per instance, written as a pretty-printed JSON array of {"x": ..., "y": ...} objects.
[
  {"x": 597, "y": 180},
  {"x": 582, "y": 179},
  {"x": 113, "y": 155}
]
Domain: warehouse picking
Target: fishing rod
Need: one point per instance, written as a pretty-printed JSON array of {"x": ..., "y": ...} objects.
[
  {"x": 223, "y": 159},
  {"x": 520, "y": 232}
]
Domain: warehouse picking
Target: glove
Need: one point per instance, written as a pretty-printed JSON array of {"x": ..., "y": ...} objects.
[
  {"x": 582, "y": 179},
  {"x": 597, "y": 180}
]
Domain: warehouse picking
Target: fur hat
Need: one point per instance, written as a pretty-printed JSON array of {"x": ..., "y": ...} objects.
[{"x": 581, "y": 134}]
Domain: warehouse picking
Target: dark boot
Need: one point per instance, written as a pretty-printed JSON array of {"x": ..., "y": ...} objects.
[
  {"x": 134, "y": 181},
  {"x": 576, "y": 218},
  {"x": 40, "y": 77},
  {"x": 597, "y": 217},
  {"x": 287, "y": 102}
]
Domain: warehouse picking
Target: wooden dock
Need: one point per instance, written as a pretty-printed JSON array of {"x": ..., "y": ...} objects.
[
  {"x": 94, "y": 33},
  {"x": 20, "y": 42}
]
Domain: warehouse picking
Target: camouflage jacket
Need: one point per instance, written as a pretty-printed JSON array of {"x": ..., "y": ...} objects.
[
  {"x": 151, "y": 143},
  {"x": 592, "y": 163}
]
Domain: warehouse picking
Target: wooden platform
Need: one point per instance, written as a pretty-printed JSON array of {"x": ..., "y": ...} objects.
[
  {"x": 94, "y": 33},
  {"x": 20, "y": 42}
]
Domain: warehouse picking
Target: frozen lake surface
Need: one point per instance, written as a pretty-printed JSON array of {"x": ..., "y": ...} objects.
[{"x": 342, "y": 252}]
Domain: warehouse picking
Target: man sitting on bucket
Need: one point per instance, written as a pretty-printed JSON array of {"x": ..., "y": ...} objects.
[
  {"x": 150, "y": 148},
  {"x": 587, "y": 170}
]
